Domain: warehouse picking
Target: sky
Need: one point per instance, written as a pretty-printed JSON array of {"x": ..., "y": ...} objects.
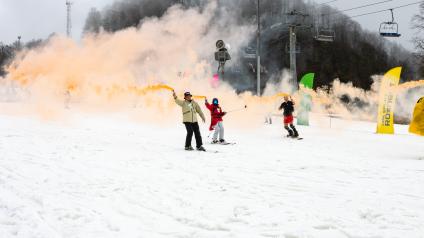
[
  {"x": 372, "y": 22},
  {"x": 33, "y": 19}
]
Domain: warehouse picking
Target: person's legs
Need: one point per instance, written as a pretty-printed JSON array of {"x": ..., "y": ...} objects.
[
  {"x": 197, "y": 135},
  {"x": 221, "y": 131},
  {"x": 216, "y": 132},
  {"x": 295, "y": 133},
  {"x": 189, "y": 136},
  {"x": 286, "y": 126}
]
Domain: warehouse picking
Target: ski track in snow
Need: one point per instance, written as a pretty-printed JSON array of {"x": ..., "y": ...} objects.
[{"x": 98, "y": 177}]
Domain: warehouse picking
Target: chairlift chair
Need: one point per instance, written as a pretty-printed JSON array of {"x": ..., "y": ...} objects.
[
  {"x": 324, "y": 31},
  {"x": 389, "y": 28},
  {"x": 325, "y": 35}
]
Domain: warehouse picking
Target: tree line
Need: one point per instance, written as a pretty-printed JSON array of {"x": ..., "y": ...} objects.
[
  {"x": 418, "y": 24},
  {"x": 354, "y": 56}
]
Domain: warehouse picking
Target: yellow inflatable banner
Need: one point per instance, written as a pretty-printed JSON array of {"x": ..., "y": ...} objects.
[
  {"x": 417, "y": 123},
  {"x": 387, "y": 100}
]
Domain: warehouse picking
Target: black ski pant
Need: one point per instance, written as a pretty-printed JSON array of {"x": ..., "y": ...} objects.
[
  {"x": 193, "y": 128},
  {"x": 292, "y": 131}
]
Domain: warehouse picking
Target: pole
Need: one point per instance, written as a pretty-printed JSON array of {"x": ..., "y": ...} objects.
[
  {"x": 19, "y": 43},
  {"x": 258, "y": 51},
  {"x": 239, "y": 109},
  {"x": 293, "y": 69},
  {"x": 68, "y": 19}
]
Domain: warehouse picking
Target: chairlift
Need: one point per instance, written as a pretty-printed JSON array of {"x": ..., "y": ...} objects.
[
  {"x": 324, "y": 32},
  {"x": 390, "y": 28},
  {"x": 325, "y": 35}
]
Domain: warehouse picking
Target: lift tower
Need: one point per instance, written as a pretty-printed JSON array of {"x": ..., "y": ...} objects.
[{"x": 68, "y": 18}]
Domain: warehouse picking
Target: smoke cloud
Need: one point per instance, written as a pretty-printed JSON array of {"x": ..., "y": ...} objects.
[{"x": 106, "y": 71}]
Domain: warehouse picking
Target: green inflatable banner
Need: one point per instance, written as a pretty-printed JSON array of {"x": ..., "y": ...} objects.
[
  {"x": 305, "y": 107},
  {"x": 308, "y": 80}
]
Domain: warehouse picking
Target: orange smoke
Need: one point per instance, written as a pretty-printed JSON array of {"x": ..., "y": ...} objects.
[
  {"x": 151, "y": 88},
  {"x": 138, "y": 67},
  {"x": 411, "y": 84}
]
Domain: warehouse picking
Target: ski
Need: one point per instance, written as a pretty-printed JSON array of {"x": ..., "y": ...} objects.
[
  {"x": 205, "y": 151},
  {"x": 225, "y": 143},
  {"x": 208, "y": 151}
]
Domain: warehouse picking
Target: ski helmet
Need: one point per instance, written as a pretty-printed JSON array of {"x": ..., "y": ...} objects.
[{"x": 215, "y": 101}]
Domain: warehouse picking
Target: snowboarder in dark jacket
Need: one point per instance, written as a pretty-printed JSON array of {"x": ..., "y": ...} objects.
[{"x": 288, "y": 107}]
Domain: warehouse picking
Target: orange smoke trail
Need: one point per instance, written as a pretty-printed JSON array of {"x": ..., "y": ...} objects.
[
  {"x": 270, "y": 99},
  {"x": 410, "y": 85},
  {"x": 151, "y": 88}
]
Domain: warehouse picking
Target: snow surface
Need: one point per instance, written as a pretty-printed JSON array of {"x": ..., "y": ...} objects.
[{"x": 102, "y": 176}]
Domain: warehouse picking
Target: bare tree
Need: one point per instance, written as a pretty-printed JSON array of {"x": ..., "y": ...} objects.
[
  {"x": 418, "y": 24},
  {"x": 93, "y": 22}
]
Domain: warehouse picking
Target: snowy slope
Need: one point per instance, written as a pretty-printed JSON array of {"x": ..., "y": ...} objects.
[{"x": 110, "y": 177}]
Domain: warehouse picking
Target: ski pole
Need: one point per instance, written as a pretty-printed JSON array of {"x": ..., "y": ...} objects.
[
  {"x": 210, "y": 133},
  {"x": 236, "y": 110}
]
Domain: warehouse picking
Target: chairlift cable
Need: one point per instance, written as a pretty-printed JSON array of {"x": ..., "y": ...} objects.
[
  {"x": 324, "y": 3},
  {"x": 392, "y": 8},
  {"x": 364, "y": 6},
  {"x": 355, "y": 8}
]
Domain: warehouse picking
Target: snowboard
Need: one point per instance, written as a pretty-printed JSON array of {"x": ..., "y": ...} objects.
[{"x": 294, "y": 138}]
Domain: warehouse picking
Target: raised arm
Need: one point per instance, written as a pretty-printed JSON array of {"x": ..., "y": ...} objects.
[
  {"x": 208, "y": 105},
  {"x": 292, "y": 101},
  {"x": 177, "y": 101}
]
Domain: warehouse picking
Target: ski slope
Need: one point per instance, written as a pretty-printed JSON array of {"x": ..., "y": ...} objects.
[{"x": 106, "y": 176}]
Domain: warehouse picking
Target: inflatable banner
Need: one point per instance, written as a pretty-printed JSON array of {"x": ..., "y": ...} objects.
[
  {"x": 387, "y": 100},
  {"x": 417, "y": 123},
  {"x": 305, "y": 104}
]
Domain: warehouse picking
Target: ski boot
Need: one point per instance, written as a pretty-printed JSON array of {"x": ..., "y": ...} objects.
[
  {"x": 201, "y": 148},
  {"x": 215, "y": 142},
  {"x": 295, "y": 133},
  {"x": 222, "y": 141},
  {"x": 291, "y": 134},
  {"x": 189, "y": 148}
]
